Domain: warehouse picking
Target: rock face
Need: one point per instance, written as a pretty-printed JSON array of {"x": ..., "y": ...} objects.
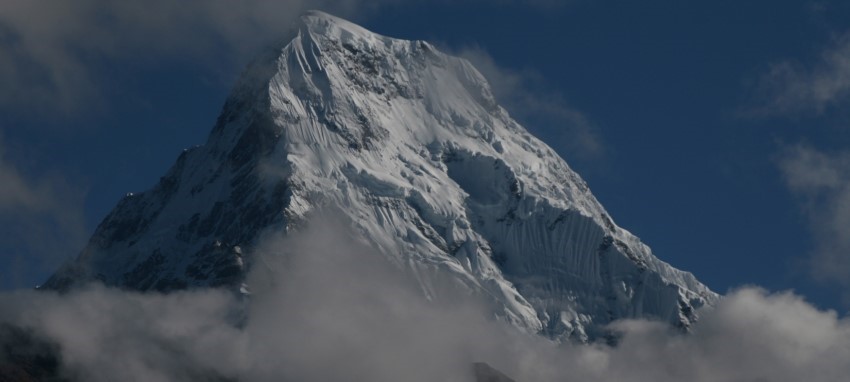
[
  {"x": 412, "y": 145},
  {"x": 26, "y": 357},
  {"x": 486, "y": 373}
]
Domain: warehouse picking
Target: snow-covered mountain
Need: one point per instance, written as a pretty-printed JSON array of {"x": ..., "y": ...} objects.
[{"x": 412, "y": 145}]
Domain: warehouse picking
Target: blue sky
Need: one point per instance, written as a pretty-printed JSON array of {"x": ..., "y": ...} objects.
[{"x": 716, "y": 132}]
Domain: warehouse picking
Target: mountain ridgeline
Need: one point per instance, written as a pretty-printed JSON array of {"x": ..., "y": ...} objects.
[{"x": 411, "y": 146}]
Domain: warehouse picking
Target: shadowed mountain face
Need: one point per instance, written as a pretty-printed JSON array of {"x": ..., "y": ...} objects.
[
  {"x": 486, "y": 373},
  {"x": 25, "y": 357},
  {"x": 410, "y": 145}
]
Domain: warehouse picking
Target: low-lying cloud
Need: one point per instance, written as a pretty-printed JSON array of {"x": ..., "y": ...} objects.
[{"x": 325, "y": 306}]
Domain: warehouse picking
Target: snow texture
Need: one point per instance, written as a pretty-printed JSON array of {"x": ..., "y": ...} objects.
[{"x": 412, "y": 145}]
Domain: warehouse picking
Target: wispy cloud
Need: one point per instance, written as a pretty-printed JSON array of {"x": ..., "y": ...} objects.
[
  {"x": 542, "y": 109},
  {"x": 822, "y": 180},
  {"x": 42, "y": 219},
  {"x": 54, "y": 55},
  {"x": 790, "y": 87}
]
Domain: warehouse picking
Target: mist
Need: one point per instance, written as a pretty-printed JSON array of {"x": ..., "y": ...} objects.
[
  {"x": 52, "y": 54},
  {"x": 326, "y": 306}
]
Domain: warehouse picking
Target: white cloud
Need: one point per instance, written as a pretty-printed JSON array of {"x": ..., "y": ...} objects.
[
  {"x": 750, "y": 336},
  {"x": 334, "y": 310},
  {"x": 790, "y": 87},
  {"x": 822, "y": 180},
  {"x": 521, "y": 92}
]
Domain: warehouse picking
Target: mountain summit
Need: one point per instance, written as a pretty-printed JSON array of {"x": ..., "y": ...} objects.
[{"x": 413, "y": 147}]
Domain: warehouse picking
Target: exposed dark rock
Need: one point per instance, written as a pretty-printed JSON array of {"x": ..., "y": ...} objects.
[{"x": 486, "y": 373}]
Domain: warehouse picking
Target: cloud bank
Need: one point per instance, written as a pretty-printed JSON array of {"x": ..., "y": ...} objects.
[{"x": 325, "y": 310}]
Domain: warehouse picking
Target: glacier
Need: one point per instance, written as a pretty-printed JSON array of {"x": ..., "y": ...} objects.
[{"x": 415, "y": 151}]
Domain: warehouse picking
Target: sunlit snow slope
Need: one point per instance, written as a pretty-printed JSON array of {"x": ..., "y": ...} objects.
[{"x": 412, "y": 145}]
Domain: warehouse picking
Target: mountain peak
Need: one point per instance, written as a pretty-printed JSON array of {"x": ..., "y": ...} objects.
[
  {"x": 412, "y": 148},
  {"x": 332, "y": 26}
]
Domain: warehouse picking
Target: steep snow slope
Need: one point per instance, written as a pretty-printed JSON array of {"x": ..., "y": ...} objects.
[{"x": 413, "y": 146}]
